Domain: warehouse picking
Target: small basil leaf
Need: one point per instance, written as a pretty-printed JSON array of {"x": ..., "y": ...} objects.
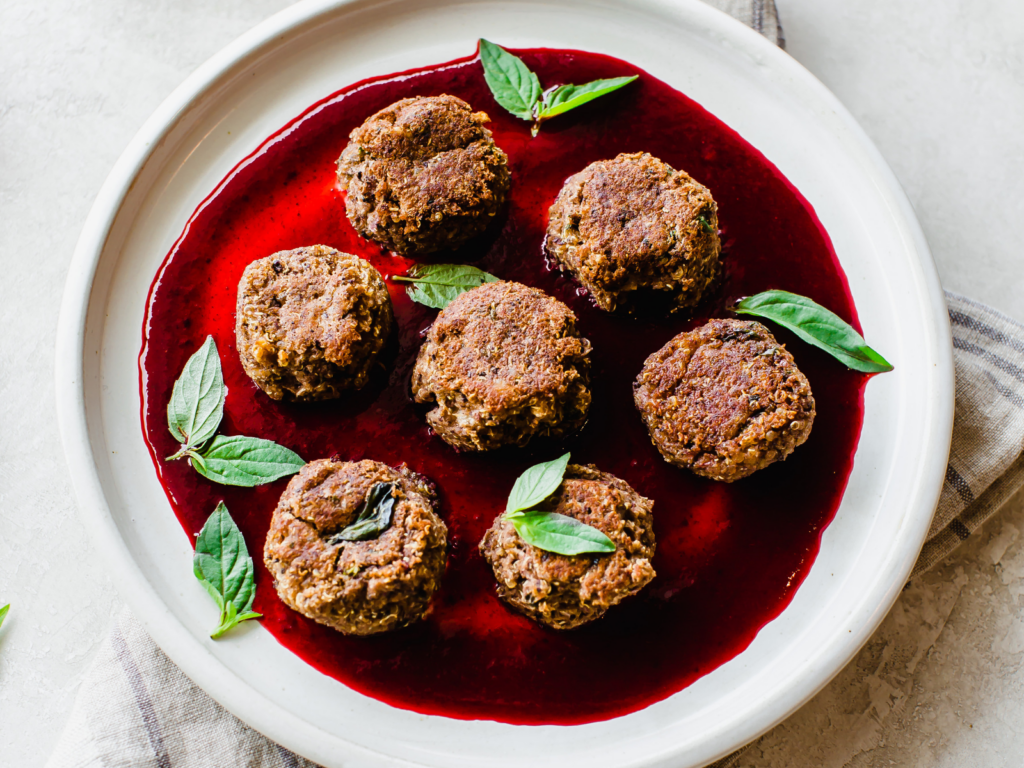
[
  {"x": 514, "y": 86},
  {"x": 374, "y": 516},
  {"x": 817, "y": 326},
  {"x": 224, "y": 568},
  {"x": 246, "y": 461},
  {"x": 536, "y": 484},
  {"x": 565, "y": 97},
  {"x": 560, "y": 534},
  {"x": 197, "y": 400},
  {"x": 3, "y": 613},
  {"x": 435, "y": 285}
]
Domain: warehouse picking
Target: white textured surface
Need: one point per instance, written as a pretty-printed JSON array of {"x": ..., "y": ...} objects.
[
  {"x": 941, "y": 682},
  {"x": 939, "y": 86}
]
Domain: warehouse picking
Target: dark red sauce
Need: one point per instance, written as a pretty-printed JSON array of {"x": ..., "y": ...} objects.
[{"x": 729, "y": 557}]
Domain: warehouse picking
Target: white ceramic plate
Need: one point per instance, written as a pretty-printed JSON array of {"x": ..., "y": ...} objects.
[{"x": 253, "y": 87}]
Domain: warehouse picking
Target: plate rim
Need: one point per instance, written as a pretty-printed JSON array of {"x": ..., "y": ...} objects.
[{"x": 177, "y": 642}]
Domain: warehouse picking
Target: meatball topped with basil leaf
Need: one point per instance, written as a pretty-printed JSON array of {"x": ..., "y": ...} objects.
[{"x": 357, "y": 546}]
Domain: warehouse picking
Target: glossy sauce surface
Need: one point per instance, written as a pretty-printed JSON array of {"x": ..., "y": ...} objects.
[{"x": 729, "y": 557}]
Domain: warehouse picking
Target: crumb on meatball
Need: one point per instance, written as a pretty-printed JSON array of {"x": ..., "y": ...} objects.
[
  {"x": 503, "y": 364},
  {"x": 423, "y": 175},
  {"x": 635, "y": 231},
  {"x": 563, "y": 591},
  {"x": 355, "y": 587},
  {"x": 311, "y": 322},
  {"x": 724, "y": 400}
]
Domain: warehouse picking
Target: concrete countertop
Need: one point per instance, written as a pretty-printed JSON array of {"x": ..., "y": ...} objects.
[{"x": 937, "y": 84}]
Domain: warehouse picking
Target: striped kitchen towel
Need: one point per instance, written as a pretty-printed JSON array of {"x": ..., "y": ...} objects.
[{"x": 986, "y": 459}]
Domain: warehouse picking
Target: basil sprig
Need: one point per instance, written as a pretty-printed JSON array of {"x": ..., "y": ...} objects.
[
  {"x": 436, "y": 285},
  {"x": 374, "y": 516},
  {"x": 3, "y": 613},
  {"x": 550, "y": 531},
  {"x": 518, "y": 90},
  {"x": 817, "y": 326},
  {"x": 193, "y": 415},
  {"x": 224, "y": 568}
]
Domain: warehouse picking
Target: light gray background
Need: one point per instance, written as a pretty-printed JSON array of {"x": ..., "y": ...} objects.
[{"x": 937, "y": 84}]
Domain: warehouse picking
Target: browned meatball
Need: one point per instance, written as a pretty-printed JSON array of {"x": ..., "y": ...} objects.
[
  {"x": 564, "y": 591},
  {"x": 634, "y": 231},
  {"x": 311, "y": 322},
  {"x": 356, "y": 587},
  {"x": 503, "y": 364},
  {"x": 423, "y": 175},
  {"x": 724, "y": 400}
]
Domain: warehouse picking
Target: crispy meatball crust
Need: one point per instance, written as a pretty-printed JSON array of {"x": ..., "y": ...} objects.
[
  {"x": 563, "y": 591},
  {"x": 502, "y": 364},
  {"x": 631, "y": 231},
  {"x": 355, "y": 587},
  {"x": 724, "y": 400},
  {"x": 310, "y": 323},
  {"x": 423, "y": 175}
]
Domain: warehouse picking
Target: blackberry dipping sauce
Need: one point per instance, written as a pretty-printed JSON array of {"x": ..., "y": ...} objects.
[{"x": 729, "y": 558}]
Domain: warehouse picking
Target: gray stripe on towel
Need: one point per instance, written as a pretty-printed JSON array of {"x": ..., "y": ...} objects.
[
  {"x": 142, "y": 700},
  {"x": 960, "y": 485},
  {"x": 757, "y": 19},
  {"x": 972, "y": 323},
  {"x": 1004, "y": 365}
]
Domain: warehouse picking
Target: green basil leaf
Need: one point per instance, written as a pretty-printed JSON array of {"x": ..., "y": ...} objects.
[
  {"x": 3, "y": 613},
  {"x": 374, "y": 516},
  {"x": 560, "y": 534},
  {"x": 197, "y": 400},
  {"x": 558, "y": 100},
  {"x": 815, "y": 325},
  {"x": 514, "y": 86},
  {"x": 224, "y": 568},
  {"x": 517, "y": 89},
  {"x": 245, "y": 461},
  {"x": 536, "y": 484},
  {"x": 435, "y": 285}
]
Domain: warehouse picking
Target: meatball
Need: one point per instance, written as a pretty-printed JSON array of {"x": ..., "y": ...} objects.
[
  {"x": 724, "y": 400},
  {"x": 564, "y": 591},
  {"x": 311, "y": 322},
  {"x": 355, "y": 587},
  {"x": 423, "y": 175},
  {"x": 634, "y": 231},
  {"x": 503, "y": 364}
]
